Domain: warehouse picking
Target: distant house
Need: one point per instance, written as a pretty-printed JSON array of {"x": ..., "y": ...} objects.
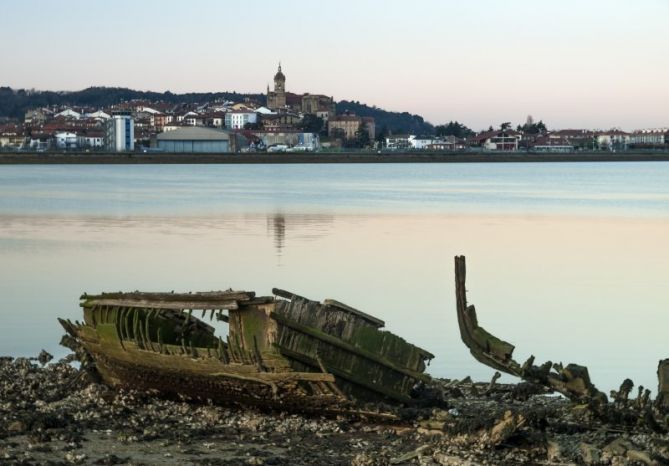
[
  {"x": 182, "y": 116},
  {"x": 98, "y": 115},
  {"x": 348, "y": 125},
  {"x": 296, "y": 140},
  {"x": 12, "y": 136},
  {"x": 214, "y": 119},
  {"x": 498, "y": 140},
  {"x": 65, "y": 140},
  {"x": 94, "y": 139},
  {"x": 612, "y": 139},
  {"x": 405, "y": 142},
  {"x": 40, "y": 141},
  {"x": 280, "y": 121},
  {"x": 264, "y": 111},
  {"x": 194, "y": 120},
  {"x": 146, "y": 109},
  {"x": 448, "y": 143},
  {"x": 421, "y": 142},
  {"x": 579, "y": 138},
  {"x": 552, "y": 144},
  {"x": 398, "y": 141},
  {"x": 69, "y": 113},
  {"x": 36, "y": 117},
  {"x": 196, "y": 139},
  {"x": 238, "y": 119},
  {"x": 649, "y": 138},
  {"x": 161, "y": 119}
]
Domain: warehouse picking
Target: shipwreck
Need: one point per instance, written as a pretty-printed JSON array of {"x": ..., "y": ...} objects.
[
  {"x": 288, "y": 352},
  {"x": 283, "y": 351},
  {"x": 572, "y": 381}
]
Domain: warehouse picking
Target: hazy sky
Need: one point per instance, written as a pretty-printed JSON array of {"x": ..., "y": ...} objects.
[{"x": 594, "y": 63}]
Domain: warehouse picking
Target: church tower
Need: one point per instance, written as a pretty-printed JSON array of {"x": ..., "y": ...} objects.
[
  {"x": 279, "y": 81},
  {"x": 277, "y": 100}
]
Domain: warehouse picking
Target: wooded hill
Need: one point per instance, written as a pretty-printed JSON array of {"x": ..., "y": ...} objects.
[{"x": 15, "y": 102}]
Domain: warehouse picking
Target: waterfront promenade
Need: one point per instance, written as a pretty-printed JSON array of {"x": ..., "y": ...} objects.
[{"x": 17, "y": 158}]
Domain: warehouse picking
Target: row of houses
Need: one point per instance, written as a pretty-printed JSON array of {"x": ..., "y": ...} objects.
[
  {"x": 567, "y": 140},
  {"x": 82, "y": 128},
  {"x": 114, "y": 132}
]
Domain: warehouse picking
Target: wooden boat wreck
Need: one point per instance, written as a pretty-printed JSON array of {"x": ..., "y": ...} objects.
[
  {"x": 282, "y": 351},
  {"x": 572, "y": 381}
]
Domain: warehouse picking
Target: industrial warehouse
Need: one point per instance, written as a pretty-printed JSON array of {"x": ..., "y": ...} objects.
[{"x": 196, "y": 139}]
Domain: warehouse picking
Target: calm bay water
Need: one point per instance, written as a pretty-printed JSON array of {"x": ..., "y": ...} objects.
[{"x": 567, "y": 261}]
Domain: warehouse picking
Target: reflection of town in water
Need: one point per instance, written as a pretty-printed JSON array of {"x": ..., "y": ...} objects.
[{"x": 303, "y": 227}]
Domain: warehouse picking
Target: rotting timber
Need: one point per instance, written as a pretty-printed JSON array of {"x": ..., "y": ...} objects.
[
  {"x": 572, "y": 381},
  {"x": 281, "y": 352}
]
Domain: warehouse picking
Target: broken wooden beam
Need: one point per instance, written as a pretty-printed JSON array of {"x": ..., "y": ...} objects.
[
  {"x": 163, "y": 304},
  {"x": 573, "y": 381},
  {"x": 663, "y": 385},
  {"x": 205, "y": 296}
]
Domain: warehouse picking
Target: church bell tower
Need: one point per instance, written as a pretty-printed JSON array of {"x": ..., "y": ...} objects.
[{"x": 279, "y": 81}]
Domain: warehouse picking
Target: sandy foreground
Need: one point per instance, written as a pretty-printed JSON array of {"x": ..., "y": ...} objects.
[{"x": 51, "y": 415}]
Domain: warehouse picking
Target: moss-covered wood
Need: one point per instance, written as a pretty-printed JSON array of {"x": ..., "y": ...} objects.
[
  {"x": 368, "y": 362},
  {"x": 276, "y": 349}
]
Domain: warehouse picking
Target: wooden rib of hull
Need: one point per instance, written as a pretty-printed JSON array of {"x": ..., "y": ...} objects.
[{"x": 293, "y": 353}]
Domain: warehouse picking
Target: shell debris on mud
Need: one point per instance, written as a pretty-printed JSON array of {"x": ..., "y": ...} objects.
[{"x": 53, "y": 414}]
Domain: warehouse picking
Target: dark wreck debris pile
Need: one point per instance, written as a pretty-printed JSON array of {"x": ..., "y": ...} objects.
[{"x": 51, "y": 415}]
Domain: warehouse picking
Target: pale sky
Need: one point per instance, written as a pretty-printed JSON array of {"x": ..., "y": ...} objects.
[{"x": 585, "y": 63}]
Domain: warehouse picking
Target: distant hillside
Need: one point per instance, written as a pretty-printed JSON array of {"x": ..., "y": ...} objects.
[
  {"x": 14, "y": 103},
  {"x": 395, "y": 122}
]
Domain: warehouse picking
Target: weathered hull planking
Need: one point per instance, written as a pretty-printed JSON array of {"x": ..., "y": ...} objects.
[{"x": 281, "y": 352}]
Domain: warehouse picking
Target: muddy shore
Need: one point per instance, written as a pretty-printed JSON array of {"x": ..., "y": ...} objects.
[
  {"x": 20, "y": 158},
  {"x": 52, "y": 415}
]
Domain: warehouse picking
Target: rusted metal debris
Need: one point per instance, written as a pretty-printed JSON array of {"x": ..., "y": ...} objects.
[
  {"x": 573, "y": 380},
  {"x": 283, "y": 351}
]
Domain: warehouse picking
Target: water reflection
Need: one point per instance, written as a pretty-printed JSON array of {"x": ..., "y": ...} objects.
[
  {"x": 303, "y": 227},
  {"x": 277, "y": 224}
]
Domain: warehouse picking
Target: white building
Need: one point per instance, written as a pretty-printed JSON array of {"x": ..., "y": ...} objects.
[
  {"x": 120, "y": 132},
  {"x": 99, "y": 115},
  {"x": 65, "y": 140},
  {"x": 649, "y": 137},
  {"x": 69, "y": 113},
  {"x": 237, "y": 119},
  {"x": 421, "y": 142},
  {"x": 612, "y": 139},
  {"x": 399, "y": 141},
  {"x": 91, "y": 140},
  {"x": 265, "y": 111}
]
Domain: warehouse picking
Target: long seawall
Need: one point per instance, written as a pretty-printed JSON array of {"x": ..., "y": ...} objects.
[{"x": 17, "y": 158}]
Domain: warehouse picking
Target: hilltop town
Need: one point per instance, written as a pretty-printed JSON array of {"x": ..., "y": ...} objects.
[{"x": 283, "y": 121}]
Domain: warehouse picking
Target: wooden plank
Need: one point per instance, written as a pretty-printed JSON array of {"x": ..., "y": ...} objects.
[
  {"x": 169, "y": 297},
  {"x": 287, "y": 376},
  {"x": 315, "y": 333},
  {"x": 173, "y": 305},
  {"x": 288, "y": 295},
  {"x": 663, "y": 383},
  {"x": 378, "y": 323},
  {"x": 345, "y": 375}
]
